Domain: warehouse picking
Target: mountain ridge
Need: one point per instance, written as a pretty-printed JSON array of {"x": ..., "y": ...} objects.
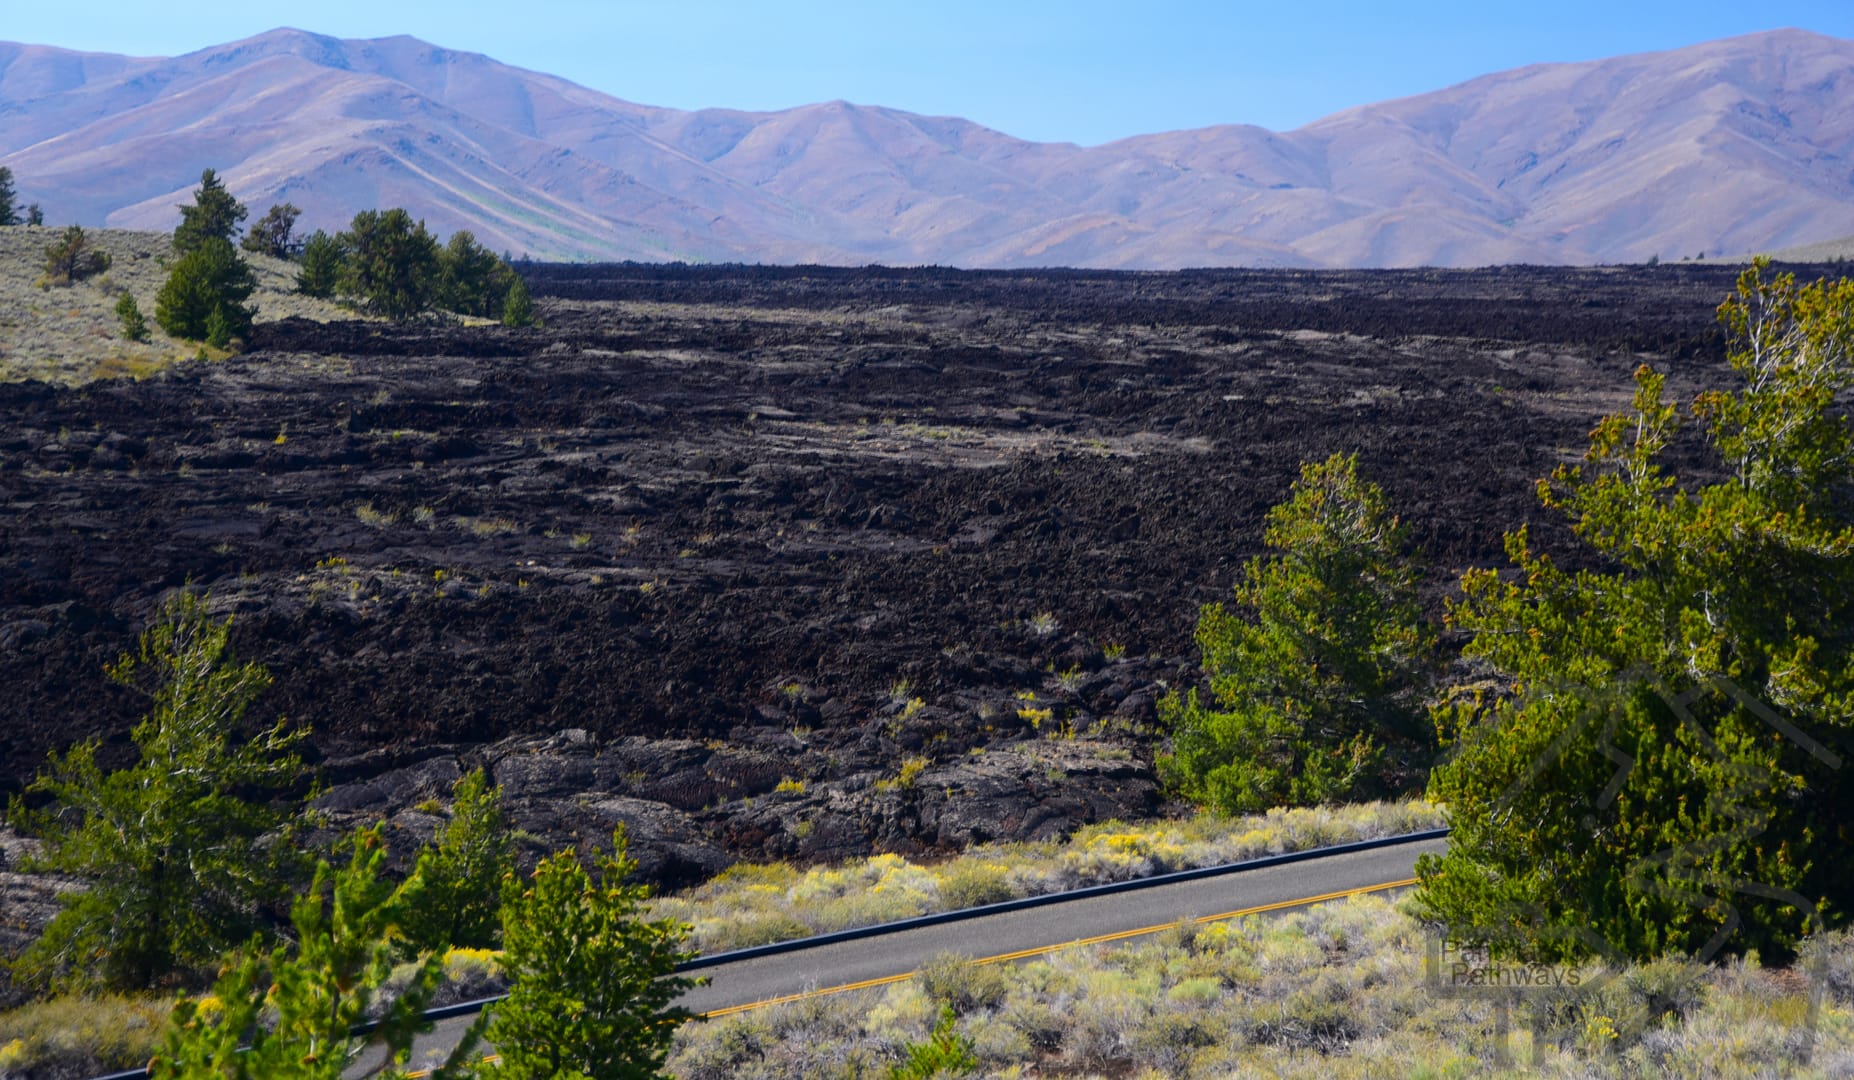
[{"x": 1739, "y": 144}]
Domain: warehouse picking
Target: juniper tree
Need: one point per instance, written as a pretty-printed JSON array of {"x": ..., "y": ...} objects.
[
  {"x": 1664, "y": 767},
  {"x": 167, "y": 848}
]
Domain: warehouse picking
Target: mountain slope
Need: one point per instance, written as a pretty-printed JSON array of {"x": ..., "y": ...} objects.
[{"x": 1733, "y": 145}]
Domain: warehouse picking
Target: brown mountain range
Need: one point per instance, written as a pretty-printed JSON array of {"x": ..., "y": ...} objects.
[{"x": 1737, "y": 145}]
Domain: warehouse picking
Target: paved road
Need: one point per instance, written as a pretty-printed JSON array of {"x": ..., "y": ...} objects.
[{"x": 1018, "y": 934}]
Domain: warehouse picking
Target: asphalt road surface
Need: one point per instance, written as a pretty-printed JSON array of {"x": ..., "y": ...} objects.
[{"x": 1017, "y": 935}]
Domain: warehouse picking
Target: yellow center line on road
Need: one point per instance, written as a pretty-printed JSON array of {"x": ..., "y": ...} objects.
[{"x": 1041, "y": 950}]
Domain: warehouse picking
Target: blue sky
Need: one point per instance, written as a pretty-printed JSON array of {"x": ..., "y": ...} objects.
[{"x": 1082, "y": 70}]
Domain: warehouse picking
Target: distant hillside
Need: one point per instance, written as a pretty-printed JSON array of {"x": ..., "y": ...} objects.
[{"x": 1736, "y": 145}]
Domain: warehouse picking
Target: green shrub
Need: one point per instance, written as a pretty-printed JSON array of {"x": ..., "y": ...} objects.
[
  {"x": 970, "y": 883},
  {"x": 945, "y": 1053},
  {"x": 956, "y": 982},
  {"x": 321, "y": 269},
  {"x": 518, "y": 306},
  {"x": 463, "y": 873},
  {"x": 390, "y": 264},
  {"x": 81, "y": 1036}
]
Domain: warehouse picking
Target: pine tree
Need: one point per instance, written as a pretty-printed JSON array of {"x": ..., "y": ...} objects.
[
  {"x": 70, "y": 258},
  {"x": 134, "y": 326},
  {"x": 518, "y": 308},
  {"x": 1313, "y": 691},
  {"x": 590, "y": 981},
  {"x": 272, "y": 235},
  {"x": 8, "y": 197},
  {"x": 214, "y": 215},
  {"x": 167, "y": 847},
  {"x": 463, "y": 873},
  {"x": 321, "y": 269},
  {"x": 209, "y": 281},
  {"x": 1662, "y": 769},
  {"x": 391, "y": 263},
  {"x": 475, "y": 281},
  {"x": 35, "y": 216}
]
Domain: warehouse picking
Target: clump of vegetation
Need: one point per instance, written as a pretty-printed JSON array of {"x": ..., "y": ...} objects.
[
  {"x": 134, "y": 326},
  {"x": 1671, "y": 759},
  {"x": 9, "y": 197},
  {"x": 390, "y": 264},
  {"x": 205, "y": 296},
  {"x": 463, "y": 873},
  {"x": 1317, "y": 696},
  {"x": 273, "y": 235},
  {"x": 590, "y": 979},
  {"x": 70, "y": 258},
  {"x": 168, "y": 849},
  {"x": 321, "y": 267},
  {"x": 517, "y": 306}
]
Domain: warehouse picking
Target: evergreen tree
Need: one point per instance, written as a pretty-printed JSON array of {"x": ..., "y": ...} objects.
[
  {"x": 272, "y": 235},
  {"x": 590, "y": 981},
  {"x": 8, "y": 197},
  {"x": 134, "y": 326},
  {"x": 463, "y": 873},
  {"x": 167, "y": 847},
  {"x": 34, "y": 215},
  {"x": 1312, "y": 693},
  {"x": 208, "y": 283},
  {"x": 70, "y": 258},
  {"x": 321, "y": 269},
  {"x": 314, "y": 990},
  {"x": 518, "y": 308},
  {"x": 475, "y": 281},
  {"x": 1663, "y": 770},
  {"x": 391, "y": 263},
  {"x": 214, "y": 215}
]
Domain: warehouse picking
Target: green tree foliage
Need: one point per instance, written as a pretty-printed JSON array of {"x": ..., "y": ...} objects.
[
  {"x": 463, "y": 873},
  {"x": 1667, "y": 773},
  {"x": 321, "y": 270},
  {"x": 273, "y": 233},
  {"x": 168, "y": 848},
  {"x": 35, "y": 215},
  {"x": 590, "y": 981},
  {"x": 1316, "y": 695},
  {"x": 70, "y": 258},
  {"x": 9, "y": 211},
  {"x": 518, "y": 307},
  {"x": 391, "y": 263},
  {"x": 945, "y": 1053},
  {"x": 129, "y": 313},
  {"x": 214, "y": 215},
  {"x": 474, "y": 280},
  {"x": 210, "y": 283},
  {"x": 311, "y": 993}
]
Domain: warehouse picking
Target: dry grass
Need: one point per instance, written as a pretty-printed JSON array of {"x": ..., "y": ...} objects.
[
  {"x": 752, "y": 904},
  {"x": 1332, "y": 993},
  {"x": 70, "y": 334}
]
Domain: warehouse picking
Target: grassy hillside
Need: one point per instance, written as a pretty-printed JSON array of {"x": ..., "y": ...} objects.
[{"x": 70, "y": 334}]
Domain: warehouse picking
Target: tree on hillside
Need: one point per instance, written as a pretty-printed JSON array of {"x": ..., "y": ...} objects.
[
  {"x": 71, "y": 258},
  {"x": 518, "y": 307},
  {"x": 205, "y": 294},
  {"x": 214, "y": 215},
  {"x": 474, "y": 281},
  {"x": 391, "y": 263},
  {"x": 272, "y": 233},
  {"x": 321, "y": 269},
  {"x": 590, "y": 980},
  {"x": 168, "y": 847},
  {"x": 1316, "y": 694},
  {"x": 1665, "y": 770},
  {"x": 8, "y": 197}
]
